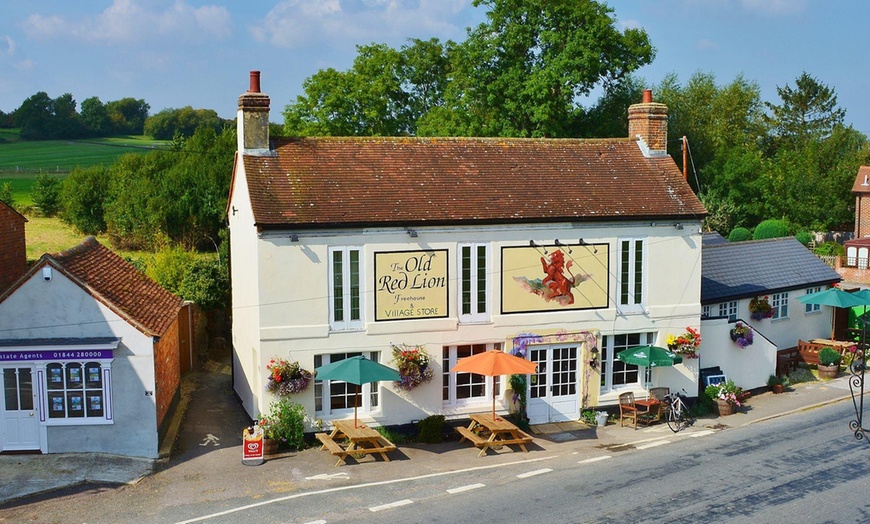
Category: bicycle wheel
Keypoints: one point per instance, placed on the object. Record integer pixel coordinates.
(675, 420)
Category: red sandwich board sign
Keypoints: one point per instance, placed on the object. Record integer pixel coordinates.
(252, 446)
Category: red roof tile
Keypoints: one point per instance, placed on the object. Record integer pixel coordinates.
(344, 181)
(119, 285)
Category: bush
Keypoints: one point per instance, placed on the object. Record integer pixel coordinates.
(285, 423)
(82, 196)
(828, 356)
(828, 249)
(6, 194)
(431, 429)
(739, 234)
(770, 229)
(46, 194)
(804, 238)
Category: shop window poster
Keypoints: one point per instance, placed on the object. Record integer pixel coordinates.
(94, 374)
(55, 375)
(76, 403)
(96, 402)
(57, 404)
(75, 375)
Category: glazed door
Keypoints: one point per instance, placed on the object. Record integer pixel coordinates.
(20, 425)
(553, 389)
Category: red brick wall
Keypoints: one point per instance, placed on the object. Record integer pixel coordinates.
(167, 370)
(13, 252)
(650, 121)
(862, 215)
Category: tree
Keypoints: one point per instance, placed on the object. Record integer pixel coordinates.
(46, 194)
(35, 116)
(127, 115)
(6, 194)
(808, 112)
(607, 117)
(83, 195)
(168, 123)
(95, 116)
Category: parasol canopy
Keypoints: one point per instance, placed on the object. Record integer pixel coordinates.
(356, 370)
(492, 363)
(649, 356)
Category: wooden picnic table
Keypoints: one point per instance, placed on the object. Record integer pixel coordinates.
(359, 439)
(652, 413)
(486, 432)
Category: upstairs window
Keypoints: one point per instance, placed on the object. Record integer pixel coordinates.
(779, 303)
(728, 309)
(812, 308)
(345, 291)
(474, 288)
(631, 275)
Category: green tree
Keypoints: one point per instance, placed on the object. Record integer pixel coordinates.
(808, 112)
(127, 116)
(82, 195)
(168, 123)
(607, 117)
(6, 194)
(35, 117)
(770, 229)
(46, 194)
(95, 116)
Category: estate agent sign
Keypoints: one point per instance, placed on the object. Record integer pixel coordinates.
(410, 284)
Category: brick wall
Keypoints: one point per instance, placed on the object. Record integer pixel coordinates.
(13, 252)
(862, 215)
(650, 121)
(167, 371)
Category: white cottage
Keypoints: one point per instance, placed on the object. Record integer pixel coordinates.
(563, 251)
(89, 356)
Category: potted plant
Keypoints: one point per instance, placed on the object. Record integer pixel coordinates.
(829, 362)
(777, 383)
(413, 365)
(759, 308)
(283, 426)
(726, 396)
(687, 344)
(287, 378)
(741, 334)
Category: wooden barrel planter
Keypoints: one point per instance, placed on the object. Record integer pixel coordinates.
(724, 408)
(270, 447)
(829, 372)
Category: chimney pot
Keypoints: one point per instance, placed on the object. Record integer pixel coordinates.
(647, 96)
(255, 82)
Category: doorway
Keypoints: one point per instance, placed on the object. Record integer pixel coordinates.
(20, 425)
(553, 395)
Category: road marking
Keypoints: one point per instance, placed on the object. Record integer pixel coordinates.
(210, 439)
(316, 522)
(469, 487)
(533, 473)
(361, 486)
(654, 444)
(391, 505)
(595, 459)
(702, 433)
(326, 476)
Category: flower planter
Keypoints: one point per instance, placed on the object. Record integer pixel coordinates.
(270, 446)
(828, 372)
(776, 388)
(724, 408)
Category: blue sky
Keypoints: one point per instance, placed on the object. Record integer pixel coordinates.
(175, 53)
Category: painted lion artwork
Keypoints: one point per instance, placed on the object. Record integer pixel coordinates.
(558, 283)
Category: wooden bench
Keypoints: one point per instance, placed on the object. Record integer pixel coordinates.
(333, 447)
(476, 439)
(521, 439)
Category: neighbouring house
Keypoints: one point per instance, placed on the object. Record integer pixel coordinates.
(563, 251)
(13, 250)
(855, 267)
(89, 355)
(736, 280)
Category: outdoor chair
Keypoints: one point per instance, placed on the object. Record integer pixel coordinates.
(627, 410)
(659, 394)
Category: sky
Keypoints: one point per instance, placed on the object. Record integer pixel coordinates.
(176, 53)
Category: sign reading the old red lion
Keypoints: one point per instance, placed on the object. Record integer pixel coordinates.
(410, 284)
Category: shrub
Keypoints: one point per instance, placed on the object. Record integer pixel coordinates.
(828, 356)
(431, 429)
(770, 229)
(804, 238)
(82, 196)
(46, 194)
(285, 423)
(827, 249)
(739, 234)
(6, 194)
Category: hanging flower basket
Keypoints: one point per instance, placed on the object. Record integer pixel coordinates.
(688, 344)
(287, 378)
(759, 308)
(413, 365)
(742, 334)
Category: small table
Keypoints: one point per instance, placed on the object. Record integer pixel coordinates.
(500, 433)
(652, 413)
(363, 440)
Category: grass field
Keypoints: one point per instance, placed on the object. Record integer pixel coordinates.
(21, 161)
(51, 235)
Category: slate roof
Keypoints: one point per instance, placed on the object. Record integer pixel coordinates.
(712, 238)
(114, 282)
(402, 181)
(737, 270)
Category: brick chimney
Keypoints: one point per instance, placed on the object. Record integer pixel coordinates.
(253, 119)
(648, 122)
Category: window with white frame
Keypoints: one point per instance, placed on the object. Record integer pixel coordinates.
(728, 309)
(335, 397)
(78, 392)
(616, 374)
(779, 303)
(345, 288)
(632, 258)
(465, 389)
(812, 308)
(473, 288)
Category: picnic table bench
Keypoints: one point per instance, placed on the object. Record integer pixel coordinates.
(485, 433)
(361, 439)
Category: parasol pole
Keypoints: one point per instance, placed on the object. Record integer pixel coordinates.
(355, 404)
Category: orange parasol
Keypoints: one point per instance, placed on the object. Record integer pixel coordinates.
(492, 363)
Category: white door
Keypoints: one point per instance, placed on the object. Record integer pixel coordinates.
(19, 425)
(553, 390)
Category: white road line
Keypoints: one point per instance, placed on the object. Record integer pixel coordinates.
(533, 473)
(391, 505)
(702, 433)
(654, 444)
(316, 522)
(469, 487)
(595, 459)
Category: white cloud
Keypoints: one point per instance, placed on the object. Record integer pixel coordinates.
(128, 21)
(7, 45)
(315, 23)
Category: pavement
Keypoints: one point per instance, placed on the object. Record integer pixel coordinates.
(203, 448)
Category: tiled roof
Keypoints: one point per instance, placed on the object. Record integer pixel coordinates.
(736, 270)
(120, 286)
(712, 238)
(358, 181)
(862, 180)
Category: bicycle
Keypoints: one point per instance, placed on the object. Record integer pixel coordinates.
(678, 416)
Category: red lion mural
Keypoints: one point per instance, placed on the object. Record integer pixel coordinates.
(559, 284)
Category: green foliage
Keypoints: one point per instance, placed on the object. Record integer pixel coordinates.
(829, 249)
(191, 276)
(829, 356)
(739, 234)
(808, 112)
(588, 417)
(393, 436)
(770, 229)
(804, 238)
(431, 429)
(169, 123)
(46, 194)
(518, 384)
(776, 380)
(6, 194)
(285, 422)
(83, 195)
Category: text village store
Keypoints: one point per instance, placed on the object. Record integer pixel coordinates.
(53, 384)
